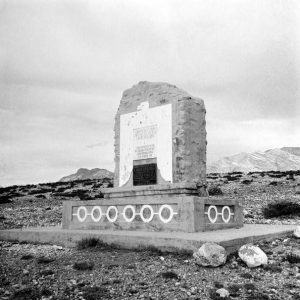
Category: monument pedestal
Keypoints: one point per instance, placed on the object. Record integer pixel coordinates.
(175, 207)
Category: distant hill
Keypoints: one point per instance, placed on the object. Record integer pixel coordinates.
(83, 173)
(284, 159)
(292, 150)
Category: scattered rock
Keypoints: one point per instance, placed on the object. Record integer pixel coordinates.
(252, 255)
(210, 254)
(297, 232)
(223, 293)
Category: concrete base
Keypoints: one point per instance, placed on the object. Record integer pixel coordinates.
(231, 239)
(170, 208)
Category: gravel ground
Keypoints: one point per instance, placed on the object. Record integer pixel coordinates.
(48, 272)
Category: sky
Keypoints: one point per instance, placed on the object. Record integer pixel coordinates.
(64, 65)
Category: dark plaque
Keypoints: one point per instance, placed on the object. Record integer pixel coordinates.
(144, 174)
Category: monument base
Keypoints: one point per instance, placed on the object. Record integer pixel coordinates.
(175, 207)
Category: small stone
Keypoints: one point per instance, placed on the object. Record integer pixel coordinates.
(223, 293)
(161, 258)
(297, 232)
(252, 255)
(25, 272)
(57, 247)
(16, 286)
(34, 282)
(73, 281)
(6, 293)
(210, 254)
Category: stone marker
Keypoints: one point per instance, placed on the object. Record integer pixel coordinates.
(253, 256)
(210, 255)
(296, 232)
(160, 169)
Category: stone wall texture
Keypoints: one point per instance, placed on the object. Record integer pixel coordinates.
(188, 128)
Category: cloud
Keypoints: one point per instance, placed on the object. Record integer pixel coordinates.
(64, 65)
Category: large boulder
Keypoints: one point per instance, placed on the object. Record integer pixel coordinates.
(297, 232)
(210, 255)
(253, 256)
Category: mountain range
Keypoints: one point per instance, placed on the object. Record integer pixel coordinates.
(83, 173)
(283, 159)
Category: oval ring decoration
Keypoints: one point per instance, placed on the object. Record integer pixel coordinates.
(170, 210)
(212, 220)
(226, 220)
(100, 213)
(81, 208)
(131, 207)
(116, 214)
(146, 220)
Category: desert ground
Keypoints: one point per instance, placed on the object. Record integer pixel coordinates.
(94, 270)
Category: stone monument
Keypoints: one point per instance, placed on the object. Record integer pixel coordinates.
(160, 169)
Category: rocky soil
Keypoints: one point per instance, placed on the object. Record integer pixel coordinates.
(51, 272)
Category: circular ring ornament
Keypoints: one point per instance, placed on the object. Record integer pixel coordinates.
(146, 220)
(170, 210)
(81, 208)
(133, 213)
(226, 220)
(116, 214)
(100, 213)
(212, 220)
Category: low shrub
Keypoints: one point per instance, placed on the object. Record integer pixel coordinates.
(169, 275)
(88, 243)
(26, 293)
(95, 293)
(215, 191)
(249, 286)
(234, 288)
(4, 199)
(232, 178)
(273, 183)
(45, 260)
(27, 256)
(277, 175)
(272, 268)
(282, 208)
(39, 191)
(83, 265)
(218, 285)
(292, 258)
(40, 196)
(46, 272)
(246, 275)
(247, 181)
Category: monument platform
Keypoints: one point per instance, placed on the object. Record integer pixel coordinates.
(231, 239)
(175, 207)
